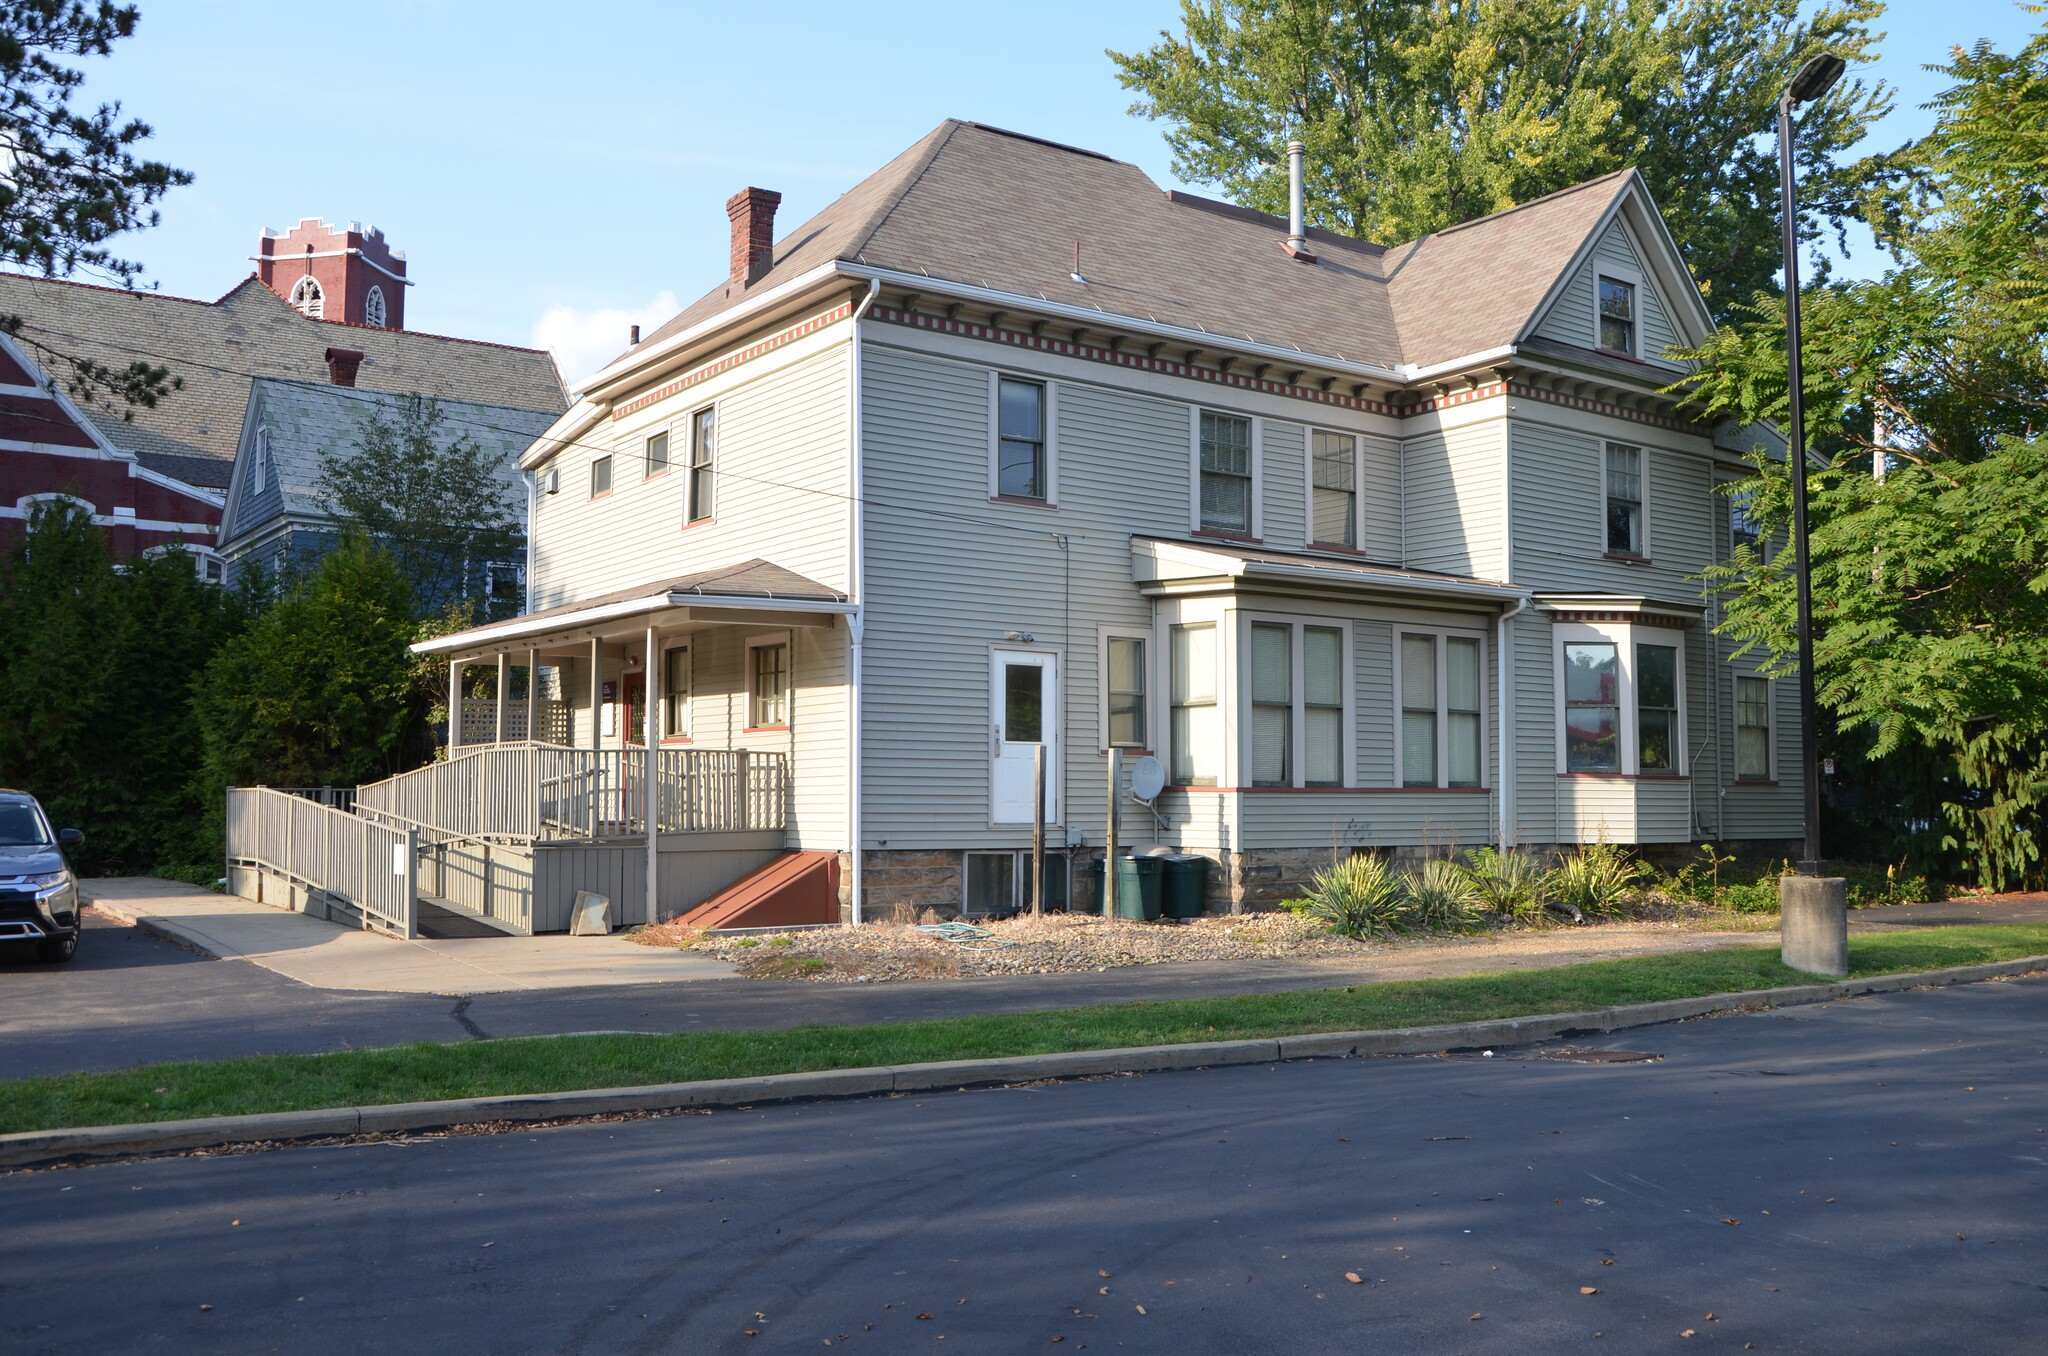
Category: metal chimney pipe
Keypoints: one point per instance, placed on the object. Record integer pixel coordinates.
(1297, 231)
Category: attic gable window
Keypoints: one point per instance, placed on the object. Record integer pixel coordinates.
(308, 298)
(1617, 307)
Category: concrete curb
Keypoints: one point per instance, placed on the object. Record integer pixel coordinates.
(118, 1141)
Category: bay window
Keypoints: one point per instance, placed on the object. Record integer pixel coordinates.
(1656, 707)
(1272, 684)
(1197, 725)
(1295, 680)
(1621, 700)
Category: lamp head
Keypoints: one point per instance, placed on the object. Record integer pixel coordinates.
(1816, 78)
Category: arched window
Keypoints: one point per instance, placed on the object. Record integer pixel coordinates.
(373, 308)
(307, 296)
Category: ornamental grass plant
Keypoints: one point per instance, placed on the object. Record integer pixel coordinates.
(1355, 896)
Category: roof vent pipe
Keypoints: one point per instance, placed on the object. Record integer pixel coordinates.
(1297, 227)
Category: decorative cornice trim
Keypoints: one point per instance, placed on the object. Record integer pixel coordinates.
(1571, 402)
(734, 359)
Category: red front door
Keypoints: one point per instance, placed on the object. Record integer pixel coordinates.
(636, 708)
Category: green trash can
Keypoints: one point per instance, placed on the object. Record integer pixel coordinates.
(1186, 878)
(1137, 887)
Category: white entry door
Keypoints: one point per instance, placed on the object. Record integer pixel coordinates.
(1025, 702)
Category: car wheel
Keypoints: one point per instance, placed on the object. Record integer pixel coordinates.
(57, 950)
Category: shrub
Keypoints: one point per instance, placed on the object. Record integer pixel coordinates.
(1507, 883)
(1355, 897)
(1598, 879)
(1439, 898)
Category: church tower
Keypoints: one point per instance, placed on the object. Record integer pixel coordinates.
(334, 273)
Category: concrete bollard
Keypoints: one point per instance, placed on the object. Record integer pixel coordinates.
(1814, 934)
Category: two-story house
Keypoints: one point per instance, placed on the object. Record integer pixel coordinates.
(1375, 547)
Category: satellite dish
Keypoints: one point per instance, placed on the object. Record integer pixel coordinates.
(1148, 778)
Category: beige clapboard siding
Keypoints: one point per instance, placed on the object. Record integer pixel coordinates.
(1284, 454)
(948, 573)
(782, 448)
(1570, 319)
(1455, 499)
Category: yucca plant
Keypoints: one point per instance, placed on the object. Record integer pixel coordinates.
(1439, 898)
(1354, 897)
(1506, 883)
(1598, 879)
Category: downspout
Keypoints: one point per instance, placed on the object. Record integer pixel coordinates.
(1503, 663)
(532, 479)
(856, 623)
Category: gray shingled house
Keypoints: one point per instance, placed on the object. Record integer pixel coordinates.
(1375, 547)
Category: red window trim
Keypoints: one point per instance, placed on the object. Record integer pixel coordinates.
(1631, 776)
(1245, 537)
(1344, 790)
(689, 523)
(763, 729)
(1021, 502)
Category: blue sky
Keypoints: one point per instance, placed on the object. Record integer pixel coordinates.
(557, 172)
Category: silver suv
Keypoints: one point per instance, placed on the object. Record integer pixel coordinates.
(38, 892)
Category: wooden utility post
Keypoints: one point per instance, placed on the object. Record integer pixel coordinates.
(1116, 786)
(1038, 830)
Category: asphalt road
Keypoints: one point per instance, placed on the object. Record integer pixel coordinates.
(1866, 1177)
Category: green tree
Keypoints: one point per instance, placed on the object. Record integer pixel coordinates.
(95, 671)
(429, 495)
(1419, 114)
(1926, 391)
(73, 179)
(320, 690)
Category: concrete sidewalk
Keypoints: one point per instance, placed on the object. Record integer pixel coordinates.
(328, 956)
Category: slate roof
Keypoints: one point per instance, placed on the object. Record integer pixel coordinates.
(302, 420)
(978, 205)
(219, 347)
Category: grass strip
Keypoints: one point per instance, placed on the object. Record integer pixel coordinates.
(429, 1072)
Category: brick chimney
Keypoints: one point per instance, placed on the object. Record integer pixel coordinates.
(342, 364)
(753, 232)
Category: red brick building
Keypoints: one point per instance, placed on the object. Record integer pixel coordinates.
(336, 273)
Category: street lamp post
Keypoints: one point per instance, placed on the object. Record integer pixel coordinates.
(1815, 78)
(1814, 923)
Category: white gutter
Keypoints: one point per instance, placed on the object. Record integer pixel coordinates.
(856, 624)
(1503, 662)
(519, 628)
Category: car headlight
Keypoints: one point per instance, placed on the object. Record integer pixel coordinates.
(48, 884)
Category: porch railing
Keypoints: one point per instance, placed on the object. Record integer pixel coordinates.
(480, 722)
(374, 867)
(541, 792)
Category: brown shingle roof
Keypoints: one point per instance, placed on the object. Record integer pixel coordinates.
(217, 347)
(990, 208)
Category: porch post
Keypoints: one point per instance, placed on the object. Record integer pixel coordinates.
(532, 692)
(596, 690)
(454, 706)
(647, 699)
(504, 678)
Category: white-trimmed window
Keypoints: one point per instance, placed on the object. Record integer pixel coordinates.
(308, 298)
(600, 477)
(1022, 452)
(1226, 474)
(1296, 684)
(654, 459)
(1743, 527)
(1197, 720)
(768, 682)
(259, 462)
(703, 462)
(1621, 700)
(1333, 488)
(1614, 313)
(1624, 486)
(1443, 715)
(1126, 689)
(675, 692)
(373, 307)
(1752, 728)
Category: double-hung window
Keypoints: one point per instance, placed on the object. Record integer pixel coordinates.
(1743, 528)
(1617, 303)
(1656, 708)
(1625, 500)
(1322, 697)
(703, 457)
(1197, 725)
(768, 696)
(1592, 707)
(1020, 440)
(1334, 496)
(1295, 675)
(1226, 473)
(1124, 692)
(1442, 735)
(675, 692)
(1752, 728)
(657, 456)
(600, 477)
(1272, 684)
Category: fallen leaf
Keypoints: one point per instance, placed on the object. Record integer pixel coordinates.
(1687, 1333)
(752, 1333)
(1731, 1221)
(1102, 1290)
(1589, 1290)
(1103, 1274)
(1141, 1308)
(1831, 1200)
(1607, 1261)
(1961, 1238)
(234, 1223)
(1477, 1317)
(205, 1308)
(924, 1315)
(1342, 1140)
(1763, 1212)
(1712, 1319)
(1354, 1278)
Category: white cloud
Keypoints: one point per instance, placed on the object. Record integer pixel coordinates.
(584, 341)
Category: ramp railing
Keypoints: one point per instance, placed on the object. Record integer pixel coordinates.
(374, 867)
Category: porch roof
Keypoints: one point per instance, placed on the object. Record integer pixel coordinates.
(751, 590)
(1166, 565)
